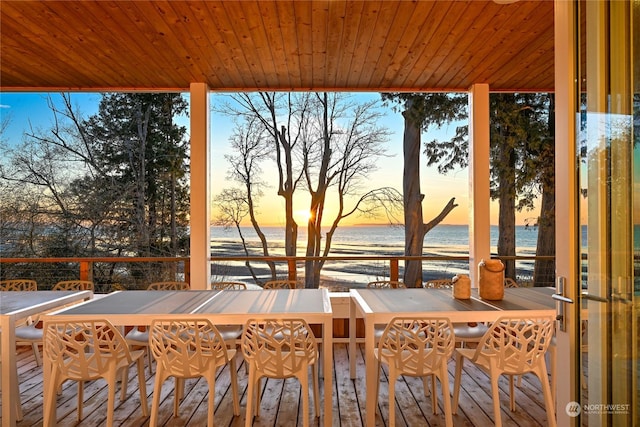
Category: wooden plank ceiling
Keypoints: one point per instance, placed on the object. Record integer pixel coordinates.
(276, 45)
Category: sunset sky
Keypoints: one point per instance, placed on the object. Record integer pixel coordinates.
(23, 109)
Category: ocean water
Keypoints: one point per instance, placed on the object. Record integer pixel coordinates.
(379, 240)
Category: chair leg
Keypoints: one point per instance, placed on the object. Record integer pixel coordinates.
(258, 395)
(49, 419)
(250, 395)
(142, 387)
(124, 383)
(446, 397)
(36, 353)
(177, 395)
(234, 386)
(304, 385)
(425, 385)
(512, 394)
(150, 361)
(211, 400)
(392, 397)
(80, 399)
(316, 389)
(111, 404)
(377, 384)
(552, 370)
(541, 372)
(155, 401)
(434, 397)
(456, 382)
(495, 394)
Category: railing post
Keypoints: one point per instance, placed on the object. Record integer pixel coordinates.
(393, 269)
(291, 264)
(187, 271)
(86, 268)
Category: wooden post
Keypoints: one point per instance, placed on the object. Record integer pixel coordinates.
(86, 269)
(393, 269)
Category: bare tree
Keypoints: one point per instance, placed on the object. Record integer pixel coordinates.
(234, 207)
(340, 148)
(281, 115)
(330, 144)
(250, 151)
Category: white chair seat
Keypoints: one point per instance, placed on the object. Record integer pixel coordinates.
(467, 332)
(28, 333)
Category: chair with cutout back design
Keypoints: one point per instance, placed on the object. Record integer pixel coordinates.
(189, 349)
(85, 351)
(280, 349)
(512, 346)
(418, 347)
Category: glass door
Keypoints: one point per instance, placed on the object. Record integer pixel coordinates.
(609, 212)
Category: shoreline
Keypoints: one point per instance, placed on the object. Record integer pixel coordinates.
(354, 275)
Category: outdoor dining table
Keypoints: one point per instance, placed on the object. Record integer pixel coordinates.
(227, 307)
(379, 306)
(14, 307)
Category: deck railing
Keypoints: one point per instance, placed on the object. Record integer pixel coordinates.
(112, 273)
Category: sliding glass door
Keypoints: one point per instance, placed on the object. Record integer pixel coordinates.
(608, 159)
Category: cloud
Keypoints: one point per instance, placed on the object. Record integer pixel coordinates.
(5, 106)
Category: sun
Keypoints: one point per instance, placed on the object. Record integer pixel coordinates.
(301, 216)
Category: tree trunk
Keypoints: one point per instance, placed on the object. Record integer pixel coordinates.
(507, 213)
(413, 220)
(544, 270)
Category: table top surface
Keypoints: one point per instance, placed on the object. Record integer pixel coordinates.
(419, 301)
(144, 302)
(523, 299)
(226, 302)
(15, 301)
(274, 301)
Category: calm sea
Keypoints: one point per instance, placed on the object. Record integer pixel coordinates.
(446, 240)
(382, 239)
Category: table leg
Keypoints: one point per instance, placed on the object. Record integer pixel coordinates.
(9, 371)
(327, 338)
(372, 375)
(352, 338)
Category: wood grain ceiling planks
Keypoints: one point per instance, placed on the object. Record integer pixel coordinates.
(276, 45)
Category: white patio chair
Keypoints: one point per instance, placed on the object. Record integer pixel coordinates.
(280, 349)
(418, 347)
(73, 285)
(280, 284)
(233, 286)
(168, 286)
(84, 351)
(386, 284)
(139, 336)
(510, 283)
(31, 334)
(18, 285)
(465, 332)
(511, 346)
(189, 349)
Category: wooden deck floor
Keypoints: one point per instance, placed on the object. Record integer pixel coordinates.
(280, 401)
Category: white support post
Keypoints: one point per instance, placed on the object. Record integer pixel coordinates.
(479, 179)
(200, 188)
(567, 250)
